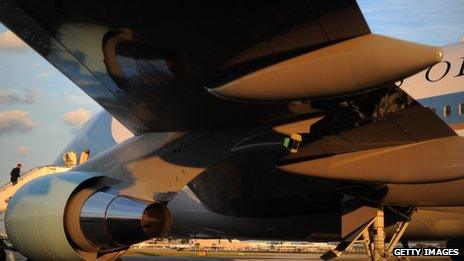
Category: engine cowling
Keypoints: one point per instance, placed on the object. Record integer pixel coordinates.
(77, 215)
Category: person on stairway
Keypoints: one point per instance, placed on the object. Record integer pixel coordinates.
(14, 174)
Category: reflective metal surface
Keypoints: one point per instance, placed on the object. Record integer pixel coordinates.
(110, 222)
(93, 220)
(124, 221)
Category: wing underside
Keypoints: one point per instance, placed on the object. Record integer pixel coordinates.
(148, 62)
(151, 64)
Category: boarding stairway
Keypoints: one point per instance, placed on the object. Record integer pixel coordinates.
(8, 190)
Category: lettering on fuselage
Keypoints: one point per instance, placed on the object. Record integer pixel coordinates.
(461, 71)
(439, 71)
(443, 72)
(440, 87)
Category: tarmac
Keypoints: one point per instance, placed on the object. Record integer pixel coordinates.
(268, 258)
(273, 257)
(254, 258)
(251, 257)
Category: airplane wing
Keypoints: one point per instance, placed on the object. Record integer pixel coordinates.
(176, 66)
(148, 63)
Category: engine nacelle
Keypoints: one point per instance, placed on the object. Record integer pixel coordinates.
(76, 215)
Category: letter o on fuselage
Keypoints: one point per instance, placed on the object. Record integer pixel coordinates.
(438, 68)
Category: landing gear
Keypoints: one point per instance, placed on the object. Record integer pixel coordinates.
(377, 249)
(401, 227)
(373, 236)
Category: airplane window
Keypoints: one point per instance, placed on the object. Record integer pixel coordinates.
(447, 111)
(461, 109)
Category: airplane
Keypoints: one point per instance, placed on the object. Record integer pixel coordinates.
(239, 120)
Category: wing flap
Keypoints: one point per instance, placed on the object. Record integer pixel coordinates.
(378, 136)
(422, 162)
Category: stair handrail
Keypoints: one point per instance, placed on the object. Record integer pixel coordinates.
(9, 184)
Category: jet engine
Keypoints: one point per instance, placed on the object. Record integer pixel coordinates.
(77, 215)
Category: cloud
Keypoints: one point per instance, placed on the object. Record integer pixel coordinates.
(23, 150)
(16, 121)
(79, 99)
(10, 42)
(77, 117)
(7, 97)
(48, 72)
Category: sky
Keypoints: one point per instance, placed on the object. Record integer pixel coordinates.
(40, 109)
(424, 21)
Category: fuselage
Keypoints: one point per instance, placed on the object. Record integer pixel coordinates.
(441, 87)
